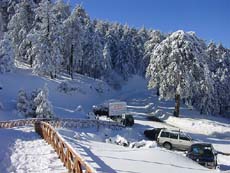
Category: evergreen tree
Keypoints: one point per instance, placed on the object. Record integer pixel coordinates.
(19, 26)
(178, 68)
(155, 38)
(47, 40)
(6, 55)
(219, 64)
(73, 47)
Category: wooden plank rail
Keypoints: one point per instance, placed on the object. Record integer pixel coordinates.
(64, 122)
(71, 159)
(21, 122)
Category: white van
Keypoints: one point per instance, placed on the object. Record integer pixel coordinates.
(174, 139)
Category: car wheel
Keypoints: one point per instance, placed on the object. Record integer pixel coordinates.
(167, 145)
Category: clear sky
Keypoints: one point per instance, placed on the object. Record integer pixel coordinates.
(210, 19)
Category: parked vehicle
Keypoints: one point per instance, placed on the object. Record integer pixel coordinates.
(204, 154)
(117, 111)
(174, 139)
(152, 134)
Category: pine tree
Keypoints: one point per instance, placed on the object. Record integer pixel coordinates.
(73, 47)
(218, 61)
(48, 41)
(6, 55)
(92, 53)
(156, 37)
(178, 68)
(19, 26)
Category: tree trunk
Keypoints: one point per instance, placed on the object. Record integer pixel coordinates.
(158, 91)
(177, 105)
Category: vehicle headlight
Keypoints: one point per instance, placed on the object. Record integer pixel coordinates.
(197, 160)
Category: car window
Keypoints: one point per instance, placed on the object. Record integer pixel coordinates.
(183, 137)
(208, 152)
(165, 134)
(174, 135)
(197, 150)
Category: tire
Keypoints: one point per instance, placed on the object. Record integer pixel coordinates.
(167, 145)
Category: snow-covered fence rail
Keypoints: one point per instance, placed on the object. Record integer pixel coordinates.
(71, 159)
(84, 123)
(20, 122)
(65, 123)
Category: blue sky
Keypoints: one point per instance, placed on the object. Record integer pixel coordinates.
(210, 19)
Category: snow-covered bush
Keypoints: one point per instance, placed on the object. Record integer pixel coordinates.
(23, 103)
(143, 143)
(119, 140)
(68, 88)
(44, 108)
(35, 105)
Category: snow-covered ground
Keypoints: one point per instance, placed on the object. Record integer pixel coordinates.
(22, 150)
(105, 157)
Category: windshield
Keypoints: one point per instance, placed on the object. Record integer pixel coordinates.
(202, 150)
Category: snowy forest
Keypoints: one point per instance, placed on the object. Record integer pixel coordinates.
(53, 38)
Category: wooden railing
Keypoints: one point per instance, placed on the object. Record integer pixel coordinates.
(71, 159)
(63, 122)
(21, 122)
(84, 123)
(45, 128)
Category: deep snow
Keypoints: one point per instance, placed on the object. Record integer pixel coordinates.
(22, 150)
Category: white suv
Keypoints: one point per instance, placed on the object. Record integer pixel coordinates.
(174, 139)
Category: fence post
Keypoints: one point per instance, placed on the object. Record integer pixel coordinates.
(38, 129)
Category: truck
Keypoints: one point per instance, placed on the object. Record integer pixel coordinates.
(116, 111)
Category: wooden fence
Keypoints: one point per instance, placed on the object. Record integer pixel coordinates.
(63, 123)
(20, 122)
(45, 128)
(71, 159)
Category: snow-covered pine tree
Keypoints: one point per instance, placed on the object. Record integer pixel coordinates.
(102, 28)
(107, 59)
(219, 65)
(73, 46)
(43, 106)
(47, 43)
(82, 17)
(19, 26)
(155, 38)
(92, 53)
(178, 68)
(140, 39)
(6, 55)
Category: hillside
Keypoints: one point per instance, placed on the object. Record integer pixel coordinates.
(91, 143)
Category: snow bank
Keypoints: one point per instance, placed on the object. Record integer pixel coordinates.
(118, 140)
